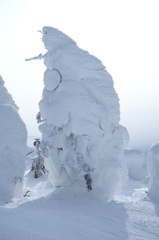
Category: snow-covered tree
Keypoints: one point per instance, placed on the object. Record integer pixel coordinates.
(13, 137)
(80, 114)
(38, 167)
(153, 167)
(136, 163)
(5, 96)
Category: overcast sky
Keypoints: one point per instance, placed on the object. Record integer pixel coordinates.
(123, 34)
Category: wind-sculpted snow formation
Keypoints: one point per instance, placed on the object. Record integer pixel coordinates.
(13, 136)
(80, 118)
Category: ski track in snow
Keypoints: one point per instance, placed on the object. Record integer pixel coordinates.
(74, 213)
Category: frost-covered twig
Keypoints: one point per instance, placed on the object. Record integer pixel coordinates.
(40, 56)
(29, 153)
(26, 194)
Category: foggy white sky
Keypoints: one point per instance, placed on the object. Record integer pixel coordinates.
(122, 34)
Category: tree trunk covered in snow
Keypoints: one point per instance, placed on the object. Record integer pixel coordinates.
(80, 118)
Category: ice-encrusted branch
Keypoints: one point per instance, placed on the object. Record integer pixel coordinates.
(40, 56)
(60, 77)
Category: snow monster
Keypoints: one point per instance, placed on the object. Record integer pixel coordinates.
(13, 145)
(79, 116)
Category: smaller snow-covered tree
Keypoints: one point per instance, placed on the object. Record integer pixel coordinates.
(153, 168)
(38, 167)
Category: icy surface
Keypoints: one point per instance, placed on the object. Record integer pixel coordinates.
(153, 167)
(13, 136)
(136, 163)
(81, 112)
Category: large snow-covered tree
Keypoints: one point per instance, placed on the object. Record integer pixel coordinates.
(80, 117)
(13, 137)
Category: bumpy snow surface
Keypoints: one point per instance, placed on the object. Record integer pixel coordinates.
(80, 110)
(13, 137)
(73, 213)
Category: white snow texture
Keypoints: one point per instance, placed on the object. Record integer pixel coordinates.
(13, 137)
(136, 163)
(81, 112)
(153, 167)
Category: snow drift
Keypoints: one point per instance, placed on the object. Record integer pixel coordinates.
(13, 137)
(80, 118)
(136, 163)
(153, 167)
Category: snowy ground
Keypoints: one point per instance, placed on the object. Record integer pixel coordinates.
(73, 213)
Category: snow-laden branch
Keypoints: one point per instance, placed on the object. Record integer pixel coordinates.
(40, 56)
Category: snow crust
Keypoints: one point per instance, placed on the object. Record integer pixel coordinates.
(13, 137)
(153, 167)
(80, 113)
(136, 163)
